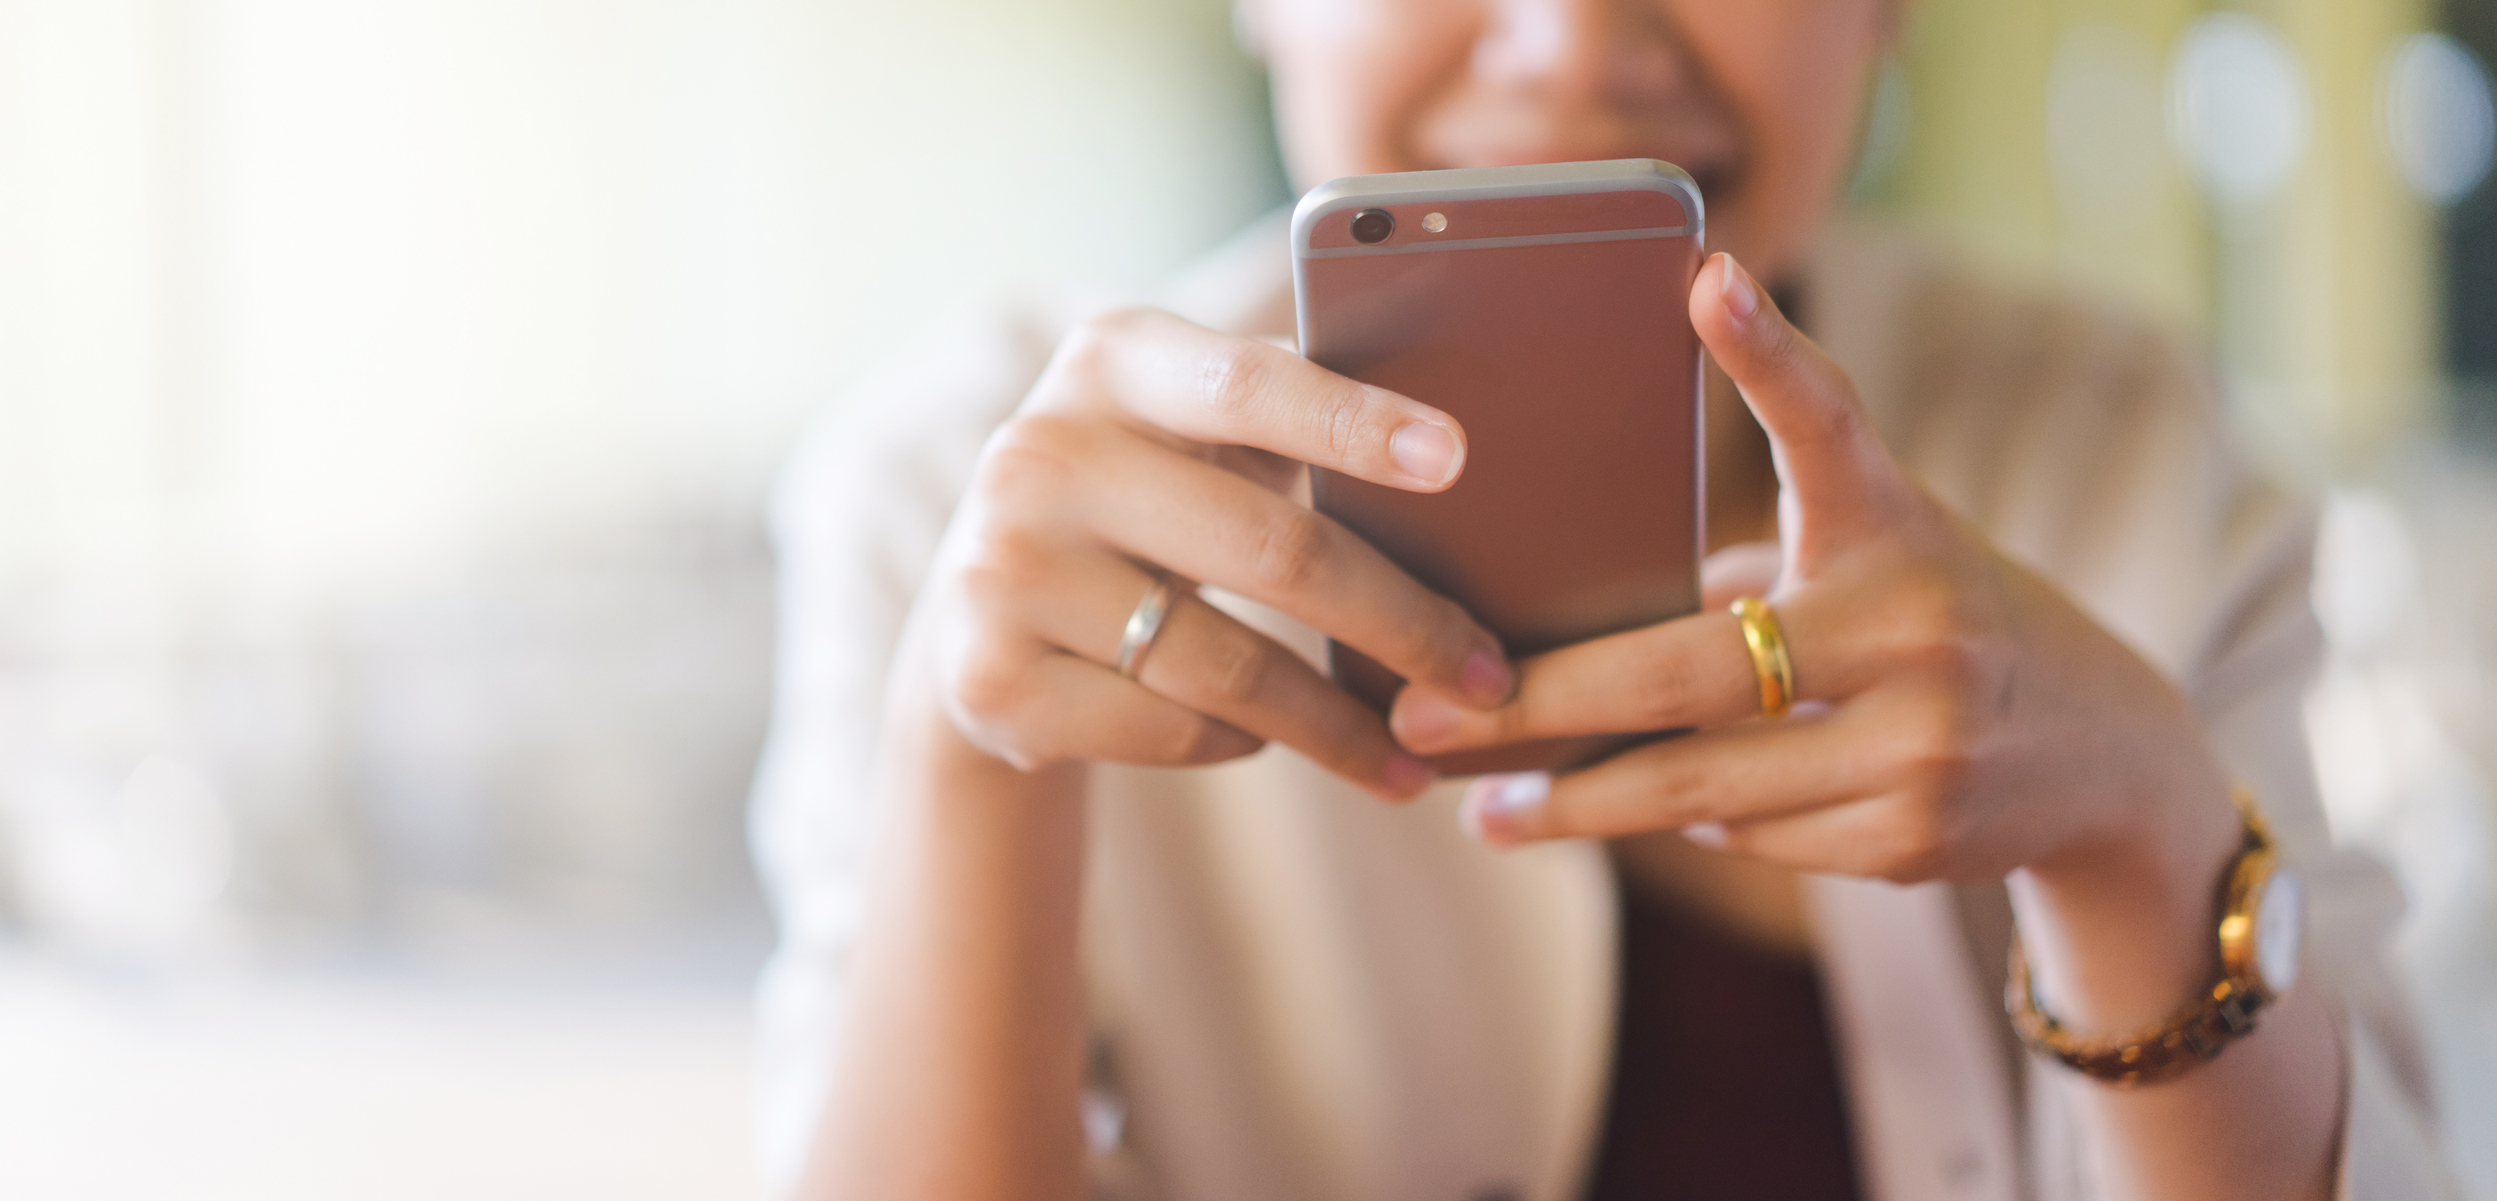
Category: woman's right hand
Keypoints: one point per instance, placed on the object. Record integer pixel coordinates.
(1153, 446)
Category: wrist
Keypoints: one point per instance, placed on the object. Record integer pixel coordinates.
(974, 852)
(2121, 930)
(931, 765)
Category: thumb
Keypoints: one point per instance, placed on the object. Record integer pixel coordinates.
(1832, 469)
(1743, 569)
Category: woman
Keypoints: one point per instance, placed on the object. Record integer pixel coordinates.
(2043, 626)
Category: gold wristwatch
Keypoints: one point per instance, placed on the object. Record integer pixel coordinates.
(2262, 918)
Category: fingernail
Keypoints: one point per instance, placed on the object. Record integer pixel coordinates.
(1502, 809)
(1741, 296)
(1708, 834)
(1424, 451)
(1486, 677)
(1405, 775)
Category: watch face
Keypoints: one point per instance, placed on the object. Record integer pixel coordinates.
(2279, 918)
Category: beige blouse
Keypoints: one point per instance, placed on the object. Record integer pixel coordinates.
(1299, 992)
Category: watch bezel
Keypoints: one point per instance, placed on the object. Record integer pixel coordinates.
(2239, 914)
(2243, 913)
(2281, 899)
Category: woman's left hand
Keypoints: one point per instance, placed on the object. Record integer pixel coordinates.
(1961, 720)
(1957, 717)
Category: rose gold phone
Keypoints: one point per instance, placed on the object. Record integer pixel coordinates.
(1546, 309)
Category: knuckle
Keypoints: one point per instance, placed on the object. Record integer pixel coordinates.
(986, 686)
(1289, 554)
(1124, 322)
(1087, 347)
(1235, 382)
(1076, 364)
(1238, 671)
(1936, 755)
(1783, 352)
(1933, 632)
(1842, 417)
(1032, 456)
(1344, 420)
(1678, 795)
(1434, 644)
(1928, 608)
(1914, 844)
(1957, 658)
(1663, 693)
(1007, 564)
(1835, 417)
(986, 585)
(1412, 649)
(1205, 740)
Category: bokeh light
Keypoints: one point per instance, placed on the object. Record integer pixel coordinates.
(2238, 107)
(2438, 122)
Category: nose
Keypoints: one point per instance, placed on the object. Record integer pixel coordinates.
(1599, 51)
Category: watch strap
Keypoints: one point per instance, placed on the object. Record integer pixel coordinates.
(2195, 1034)
(2189, 1038)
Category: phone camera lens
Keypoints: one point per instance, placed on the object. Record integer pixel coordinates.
(1371, 226)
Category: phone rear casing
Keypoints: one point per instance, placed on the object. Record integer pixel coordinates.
(1549, 317)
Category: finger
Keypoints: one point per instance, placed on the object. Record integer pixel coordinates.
(1738, 774)
(1046, 706)
(1872, 838)
(1743, 569)
(1828, 455)
(1208, 661)
(1211, 387)
(1212, 663)
(1689, 672)
(1213, 526)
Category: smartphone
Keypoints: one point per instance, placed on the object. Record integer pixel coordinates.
(1546, 308)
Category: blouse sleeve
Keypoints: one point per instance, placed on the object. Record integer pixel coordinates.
(2252, 696)
(2095, 448)
(2232, 557)
(855, 525)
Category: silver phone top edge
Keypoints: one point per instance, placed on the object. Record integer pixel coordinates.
(1492, 183)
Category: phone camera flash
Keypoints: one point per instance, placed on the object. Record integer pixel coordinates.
(1435, 222)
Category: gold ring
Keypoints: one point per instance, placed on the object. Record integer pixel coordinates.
(1768, 655)
(1143, 625)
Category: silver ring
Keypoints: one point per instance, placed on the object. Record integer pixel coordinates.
(1142, 626)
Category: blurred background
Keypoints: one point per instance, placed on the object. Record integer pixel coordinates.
(390, 391)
